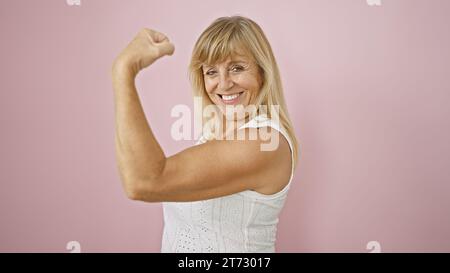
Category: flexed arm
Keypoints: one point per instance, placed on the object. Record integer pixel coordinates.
(212, 169)
(137, 150)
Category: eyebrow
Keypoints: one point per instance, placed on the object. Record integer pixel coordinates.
(205, 66)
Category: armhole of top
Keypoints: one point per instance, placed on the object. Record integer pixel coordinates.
(201, 140)
(270, 123)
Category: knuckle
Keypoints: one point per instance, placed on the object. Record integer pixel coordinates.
(145, 31)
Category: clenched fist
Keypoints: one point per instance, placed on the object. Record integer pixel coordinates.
(148, 46)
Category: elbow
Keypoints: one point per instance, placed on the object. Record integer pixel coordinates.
(146, 189)
(130, 187)
(141, 191)
(133, 193)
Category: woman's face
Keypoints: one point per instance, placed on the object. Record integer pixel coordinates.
(236, 81)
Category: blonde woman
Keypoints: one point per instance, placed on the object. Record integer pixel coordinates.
(224, 194)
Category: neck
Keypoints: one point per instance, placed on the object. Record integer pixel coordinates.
(229, 127)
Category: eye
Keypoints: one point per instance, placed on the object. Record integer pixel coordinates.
(211, 72)
(237, 68)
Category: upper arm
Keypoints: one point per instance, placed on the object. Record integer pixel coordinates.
(219, 168)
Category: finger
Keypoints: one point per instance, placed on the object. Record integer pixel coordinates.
(159, 37)
(166, 48)
(156, 36)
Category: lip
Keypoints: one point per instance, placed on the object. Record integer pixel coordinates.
(233, 101)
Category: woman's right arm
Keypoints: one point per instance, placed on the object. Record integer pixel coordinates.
(209, 170)
(137, 150)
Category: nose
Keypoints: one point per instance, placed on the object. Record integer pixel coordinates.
(225, 81)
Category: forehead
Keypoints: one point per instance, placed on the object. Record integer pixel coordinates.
(233, 58)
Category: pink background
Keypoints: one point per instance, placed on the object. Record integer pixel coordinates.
(367, 87)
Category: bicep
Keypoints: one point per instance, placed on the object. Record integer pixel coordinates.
(213, 169)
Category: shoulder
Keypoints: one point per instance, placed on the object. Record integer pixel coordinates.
(262, 145)
(265, 160)
(274, 157)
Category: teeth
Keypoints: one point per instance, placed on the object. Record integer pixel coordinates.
(232, 97)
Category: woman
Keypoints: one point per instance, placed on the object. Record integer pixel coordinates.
(221, 195)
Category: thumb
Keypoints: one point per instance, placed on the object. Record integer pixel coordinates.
(166, 47)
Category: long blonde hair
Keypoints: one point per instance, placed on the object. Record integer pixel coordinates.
(223, 38)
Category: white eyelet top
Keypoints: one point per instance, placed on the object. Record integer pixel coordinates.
(242, 222)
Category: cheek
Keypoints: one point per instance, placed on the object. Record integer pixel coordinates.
(249, 83)
(209, 85)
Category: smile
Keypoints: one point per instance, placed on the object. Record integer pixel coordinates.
(230, 99)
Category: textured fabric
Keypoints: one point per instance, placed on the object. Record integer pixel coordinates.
(242, 222)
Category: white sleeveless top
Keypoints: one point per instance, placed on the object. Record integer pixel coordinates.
(242, 222)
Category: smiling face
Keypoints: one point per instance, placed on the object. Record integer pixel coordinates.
(235, 81)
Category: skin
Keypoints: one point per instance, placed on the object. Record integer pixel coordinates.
(238, 73)
(205, 171)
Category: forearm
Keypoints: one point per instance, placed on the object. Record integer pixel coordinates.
(139, 156)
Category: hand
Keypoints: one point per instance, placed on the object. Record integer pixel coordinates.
(148, 46)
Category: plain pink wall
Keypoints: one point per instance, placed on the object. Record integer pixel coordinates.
(367, 87)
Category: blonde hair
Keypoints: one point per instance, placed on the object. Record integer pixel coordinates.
(225, 37)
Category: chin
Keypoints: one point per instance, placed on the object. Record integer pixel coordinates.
(238, 113)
